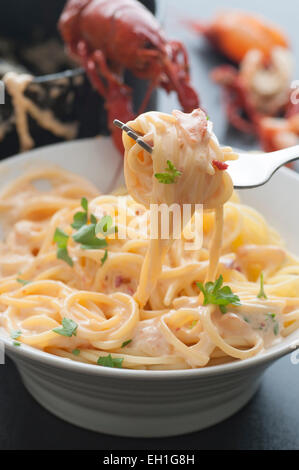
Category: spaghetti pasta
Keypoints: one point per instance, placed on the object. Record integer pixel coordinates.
(73, 286)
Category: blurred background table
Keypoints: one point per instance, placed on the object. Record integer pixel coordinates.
(271, 419)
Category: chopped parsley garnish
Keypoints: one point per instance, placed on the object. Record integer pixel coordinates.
(81, 218)
(276, 328)
(84, 204)
(76, 352)
(86, 233)
(215, 294)
(16, 343)
(193, 324)
(86, 236)
(93, 219)
(23, 281)
(61, 240)
(270, 322)
(170, 176)
(272, 316)
(104, 257)
(105, 226)
(68, 328)
(109, 361)
(15, 334)
(125, 343)
(262, 294)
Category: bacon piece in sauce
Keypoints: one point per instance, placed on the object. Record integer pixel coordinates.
(220, 165)
(194, 125)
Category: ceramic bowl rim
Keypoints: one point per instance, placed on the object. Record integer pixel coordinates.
(47, 359)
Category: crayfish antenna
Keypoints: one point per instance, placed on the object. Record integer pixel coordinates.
(179, 78)
(119, 106)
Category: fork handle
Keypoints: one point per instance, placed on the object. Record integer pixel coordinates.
(281, 157)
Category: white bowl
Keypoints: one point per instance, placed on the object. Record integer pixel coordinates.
(146, 403)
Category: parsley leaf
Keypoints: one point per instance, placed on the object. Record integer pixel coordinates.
(193, 324)
(62, 254)
(262, 294)
(104, 257)
(272, 317)
(109, 361)
(170, 176)
(276, 328)
(61, 240)
(15, 334)
(81, 218)
(86, 236)
(16, 343)
(93, 219)
(23, 281)
(84, 204)
(76, 352)
(69, 328)
(125, 343)
(215, 294)
(104, 226)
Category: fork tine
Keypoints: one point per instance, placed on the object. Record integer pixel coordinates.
(131, 133)
(126, 128)
(144, 145)
(118, 123)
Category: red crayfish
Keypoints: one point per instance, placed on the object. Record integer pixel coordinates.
(234, 33)
(109, 36)
(257, 93)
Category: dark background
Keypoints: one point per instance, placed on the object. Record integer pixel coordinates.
(271, 419)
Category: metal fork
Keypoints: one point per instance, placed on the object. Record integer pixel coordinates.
(133, 134)
(251, 170)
